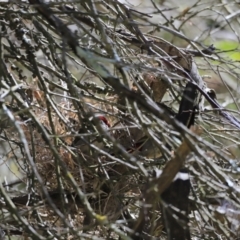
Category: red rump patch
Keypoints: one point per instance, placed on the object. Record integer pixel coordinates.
(102, 118)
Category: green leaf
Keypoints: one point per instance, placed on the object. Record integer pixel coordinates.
(231, 48)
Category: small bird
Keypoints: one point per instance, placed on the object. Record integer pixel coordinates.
(147, 147)
(90, 134)
(134, 139)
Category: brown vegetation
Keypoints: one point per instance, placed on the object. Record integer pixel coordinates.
(104, 127)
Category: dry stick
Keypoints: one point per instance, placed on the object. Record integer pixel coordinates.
(128, 37)
(168, 48)
(184, 60)
(96, 63)
(92, 60)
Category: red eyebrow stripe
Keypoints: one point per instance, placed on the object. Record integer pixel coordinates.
(104, 120)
